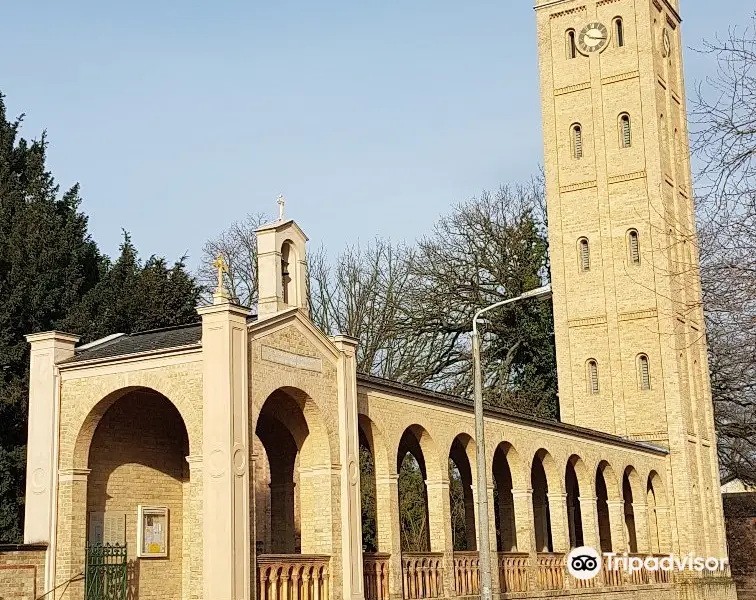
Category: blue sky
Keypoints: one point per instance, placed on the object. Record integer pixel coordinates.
(372, 118)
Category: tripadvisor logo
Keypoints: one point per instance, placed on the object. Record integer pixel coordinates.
(584, 562)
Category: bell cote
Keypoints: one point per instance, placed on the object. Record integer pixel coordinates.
(281, 267)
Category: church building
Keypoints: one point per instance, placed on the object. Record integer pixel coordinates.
(220, 460)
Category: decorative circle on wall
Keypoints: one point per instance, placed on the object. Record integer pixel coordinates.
(39, 480)
(215, 462)
(239, 459)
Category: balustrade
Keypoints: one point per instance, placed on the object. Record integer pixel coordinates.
(550, 568)
(466, 573)
(375, 574)
(422, 575)
(292, 577)
(513, 571)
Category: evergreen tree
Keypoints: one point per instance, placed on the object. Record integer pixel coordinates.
(47, 262)
(134, 296)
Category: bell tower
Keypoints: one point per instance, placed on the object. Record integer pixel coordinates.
(281, 267)
(630, 340)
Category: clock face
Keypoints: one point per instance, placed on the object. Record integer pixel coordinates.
(593, 37)
(666, 43)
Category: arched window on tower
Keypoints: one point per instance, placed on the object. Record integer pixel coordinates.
(592, 373)
(619, 32)
(625, 132)
(571, 44)
(644, 376)
(633, 247)
(577, 140)
(584, 254)
(286, 256)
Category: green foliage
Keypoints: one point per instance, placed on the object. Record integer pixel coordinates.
(48, 265)
(368, 501)
(135, 296)
(413, 507)
(47, 262)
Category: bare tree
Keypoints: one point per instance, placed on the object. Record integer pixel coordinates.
(238, 246)
(489, 249)
(724, 132)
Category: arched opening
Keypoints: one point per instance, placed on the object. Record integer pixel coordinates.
(657, 516)
(413, 494)
(571, 44)
(137, 457)
(368, 497)
(644, 375)
(574, 514)
(592, 376)
(576, 135)
(504, 516)
(633, 247)
(625, 131)
(629, 517)
(619, 32)
(541, 514)
(461, 503)
(584, 254)
(602, 507)
(287, 265)
(296, 461)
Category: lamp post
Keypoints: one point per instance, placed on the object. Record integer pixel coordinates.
(484, 550)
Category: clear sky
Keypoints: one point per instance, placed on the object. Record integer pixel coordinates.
(372, 118)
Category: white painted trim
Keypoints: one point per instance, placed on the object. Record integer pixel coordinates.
(130, 358)
(107, 338)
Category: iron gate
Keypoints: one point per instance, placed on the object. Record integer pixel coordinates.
(105, 572)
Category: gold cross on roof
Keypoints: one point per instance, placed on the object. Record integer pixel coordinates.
(222, 267)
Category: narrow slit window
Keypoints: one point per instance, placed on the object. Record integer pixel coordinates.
(577, 141)
(625, 131)
(634, 247)
(571, 44)
(585, 255)
(643, 372)
(619, 32)
(593, 381)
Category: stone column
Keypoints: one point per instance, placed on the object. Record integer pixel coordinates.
(47, 349)
(389, 529)
(617, 525)
(560, 535)
(72, 529)
(195, 526)
(589, 515)
(664, 525)
(525, 527)
(439, 527)
(225, 443)
(349, 451)
(640, 512)
(507, 523)
(491, 533)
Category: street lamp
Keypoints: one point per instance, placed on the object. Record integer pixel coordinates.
(484, 551)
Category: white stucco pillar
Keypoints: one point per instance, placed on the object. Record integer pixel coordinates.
(47, 349)
(349, 456)
(225, 449)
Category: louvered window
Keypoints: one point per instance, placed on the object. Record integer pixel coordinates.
(634, 247)
(593, 381)
(585, 256)
(577, 141)
(625, 133)
(645, 378)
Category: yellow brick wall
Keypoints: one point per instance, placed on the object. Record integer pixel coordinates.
(22, 572)
(137, 457)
